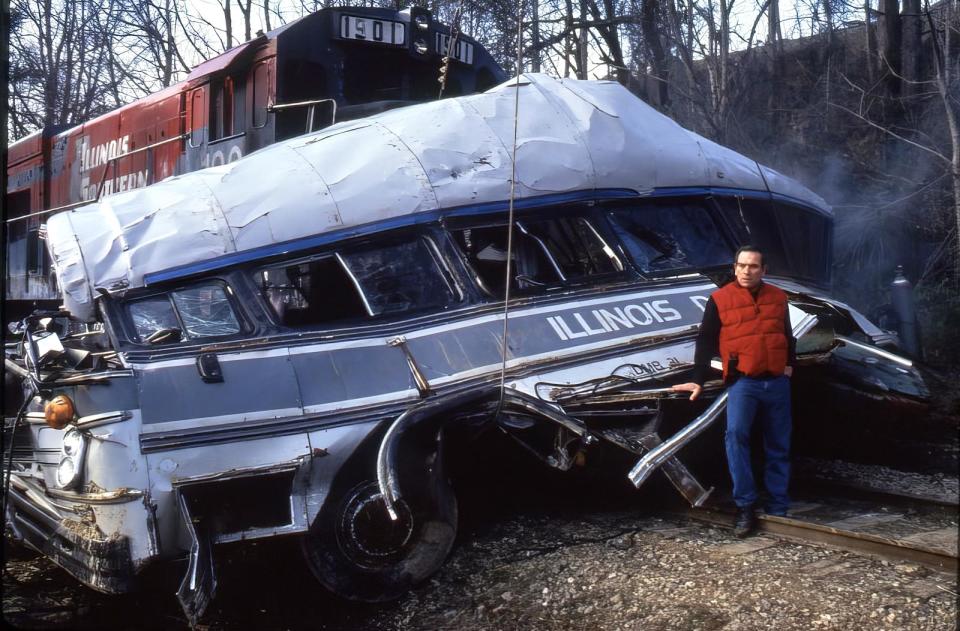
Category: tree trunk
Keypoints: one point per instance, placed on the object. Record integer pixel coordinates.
(228, 23)
(774, 34)
(651, 37)
(775, 67)
(891, 46)
(911, 47)
(582, 60)
(51, 85)
(245, 9)
(871, 42)
(535, 37)
(568, 41)
(723, 89)
(611, 36)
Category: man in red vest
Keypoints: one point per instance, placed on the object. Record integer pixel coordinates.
(747, 321)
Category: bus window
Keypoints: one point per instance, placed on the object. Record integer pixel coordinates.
(758, 226)
(808, 248)
(372, 281)
(196, 312)
(670, 236)
(547, 253)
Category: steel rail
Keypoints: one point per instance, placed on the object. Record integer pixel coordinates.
(855, 490)
(864, 543)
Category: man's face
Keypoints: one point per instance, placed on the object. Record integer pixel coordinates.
(749, 269)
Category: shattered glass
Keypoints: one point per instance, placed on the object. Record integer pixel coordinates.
(545, 253)
(375, 280)
(575, 247)
(400, 277)
(153, 315)
(206, 311)
(671, 236)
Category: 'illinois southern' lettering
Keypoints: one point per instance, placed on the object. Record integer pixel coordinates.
(600, 321)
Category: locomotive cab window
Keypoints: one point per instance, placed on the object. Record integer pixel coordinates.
(226, 107)
(546, 253)
(196, 312)
(197, 112)
(261, 92)
(371, 281)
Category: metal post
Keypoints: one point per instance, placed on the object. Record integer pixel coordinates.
(901, 296)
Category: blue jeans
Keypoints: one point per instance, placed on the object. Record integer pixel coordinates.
(769, 401)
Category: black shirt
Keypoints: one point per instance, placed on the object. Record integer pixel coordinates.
(708, 343)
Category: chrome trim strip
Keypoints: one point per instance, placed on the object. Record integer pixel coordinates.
(233, 474)
(104, 418)
(876, 351)
(117, 496)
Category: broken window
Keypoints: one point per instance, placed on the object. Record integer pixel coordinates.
(795, 240)
(671, 235)
(809, 242)
(754, 219)
(196, 312)
(356, 283)
(546, 253)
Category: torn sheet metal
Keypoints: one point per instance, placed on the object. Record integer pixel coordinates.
(572, 136)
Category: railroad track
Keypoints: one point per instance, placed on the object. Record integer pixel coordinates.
(925, 534)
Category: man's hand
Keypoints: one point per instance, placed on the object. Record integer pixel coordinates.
(693, 388)
(788, 371)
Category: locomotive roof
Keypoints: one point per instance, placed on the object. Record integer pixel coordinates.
(572, 136)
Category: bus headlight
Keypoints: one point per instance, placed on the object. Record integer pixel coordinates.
(71, 459)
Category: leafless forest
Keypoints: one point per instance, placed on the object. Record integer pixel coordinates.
(859, 100)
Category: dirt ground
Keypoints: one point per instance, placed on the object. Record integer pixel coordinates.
(530, 558)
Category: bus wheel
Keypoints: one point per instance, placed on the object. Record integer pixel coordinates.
(357, 552)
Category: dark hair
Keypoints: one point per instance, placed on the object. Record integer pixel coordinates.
(748, 248)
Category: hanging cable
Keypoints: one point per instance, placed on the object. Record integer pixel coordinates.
(513, 189)
(451, 48)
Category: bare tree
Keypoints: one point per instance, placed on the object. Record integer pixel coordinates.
(910, 48)
(246, 10)
(61, 62)
(871, 39)
(149, 43)
(890, 54)
(945, 33)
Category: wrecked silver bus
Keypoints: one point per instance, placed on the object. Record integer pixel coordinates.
(283, 344)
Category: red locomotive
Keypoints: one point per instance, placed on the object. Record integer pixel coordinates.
(332, 65)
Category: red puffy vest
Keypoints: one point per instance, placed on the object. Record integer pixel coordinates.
(752, 329)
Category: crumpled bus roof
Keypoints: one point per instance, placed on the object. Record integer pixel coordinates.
(572, 136)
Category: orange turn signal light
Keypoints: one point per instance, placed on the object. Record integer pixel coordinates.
(59, 411)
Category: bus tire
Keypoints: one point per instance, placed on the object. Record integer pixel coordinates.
(357, 552)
